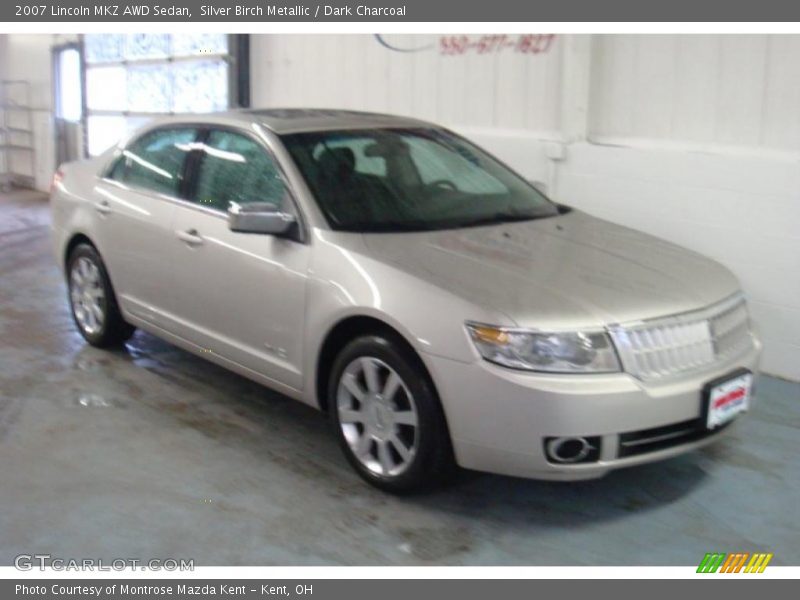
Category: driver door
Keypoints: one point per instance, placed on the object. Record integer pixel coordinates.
(240, 296)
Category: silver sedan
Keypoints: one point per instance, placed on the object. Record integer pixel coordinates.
(435, 304)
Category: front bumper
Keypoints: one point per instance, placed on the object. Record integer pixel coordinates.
(499, 418)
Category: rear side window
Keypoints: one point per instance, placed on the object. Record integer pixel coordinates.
(235, 168)
(155, 161)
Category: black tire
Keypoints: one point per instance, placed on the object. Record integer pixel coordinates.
(432, 463)
(112, 330)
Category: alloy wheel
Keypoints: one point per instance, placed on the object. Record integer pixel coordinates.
(87, 295)
(378, 416)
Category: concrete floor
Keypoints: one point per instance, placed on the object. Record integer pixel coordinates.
(150, 452)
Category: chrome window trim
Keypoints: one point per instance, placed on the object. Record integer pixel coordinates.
(165, 197)
(138, 135)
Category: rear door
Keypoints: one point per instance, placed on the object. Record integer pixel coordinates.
(135, 203)
(241, 296)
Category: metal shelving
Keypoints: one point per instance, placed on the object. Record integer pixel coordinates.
(16, 134)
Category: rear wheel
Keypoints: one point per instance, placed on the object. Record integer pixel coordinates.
(92, 300)
(387, 416)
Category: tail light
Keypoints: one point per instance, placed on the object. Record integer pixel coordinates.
(58, 176)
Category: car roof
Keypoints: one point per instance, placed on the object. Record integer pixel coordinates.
(296, 120)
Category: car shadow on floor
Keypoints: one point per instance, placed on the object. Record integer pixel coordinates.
(618, 494)
(234, 411)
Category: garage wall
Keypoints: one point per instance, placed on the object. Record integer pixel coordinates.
(502, 90)
(28, 57)
(695, 139)
(3, 54)
(726, 89)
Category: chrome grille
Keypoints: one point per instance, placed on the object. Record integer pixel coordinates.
(683, 343)
(730, 330)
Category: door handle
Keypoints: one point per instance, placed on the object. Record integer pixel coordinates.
(102, 207)
(190, 236)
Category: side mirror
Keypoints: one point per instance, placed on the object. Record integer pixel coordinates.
(260, 217)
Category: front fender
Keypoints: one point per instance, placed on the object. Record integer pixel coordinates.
(345, 283)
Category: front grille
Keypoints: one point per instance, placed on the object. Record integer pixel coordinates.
(634, 443)
(660, 348)
(730, 330)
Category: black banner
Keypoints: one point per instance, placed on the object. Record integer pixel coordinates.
(395, 589)
(397, 11)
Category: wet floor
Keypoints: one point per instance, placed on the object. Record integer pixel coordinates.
(149, 452)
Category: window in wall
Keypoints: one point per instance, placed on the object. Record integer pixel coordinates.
(131, 78)
(68, 94)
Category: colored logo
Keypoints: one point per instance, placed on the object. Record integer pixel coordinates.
(737, 562)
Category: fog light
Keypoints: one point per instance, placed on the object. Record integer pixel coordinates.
(572, 450)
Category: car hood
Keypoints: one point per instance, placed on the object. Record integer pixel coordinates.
(568, 271)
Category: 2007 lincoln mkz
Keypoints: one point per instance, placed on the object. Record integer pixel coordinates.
(438, 306)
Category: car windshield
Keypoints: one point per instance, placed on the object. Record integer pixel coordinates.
(410, 180)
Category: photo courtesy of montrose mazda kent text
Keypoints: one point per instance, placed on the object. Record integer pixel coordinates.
(433, 302)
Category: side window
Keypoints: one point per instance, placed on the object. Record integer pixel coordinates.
(235, 168)
(155, 160)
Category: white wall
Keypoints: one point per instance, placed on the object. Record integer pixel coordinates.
(511, 91)
(692, 138)
(728, 89)
(3, 55)
(28, 57)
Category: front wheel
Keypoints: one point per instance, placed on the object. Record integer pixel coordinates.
(387, 416)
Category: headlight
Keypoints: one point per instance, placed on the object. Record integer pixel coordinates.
(563, 352)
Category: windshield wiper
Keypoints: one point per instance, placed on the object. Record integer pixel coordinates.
(409, 226)
(500, 217)
(388, 227)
